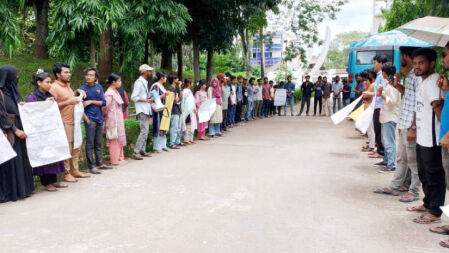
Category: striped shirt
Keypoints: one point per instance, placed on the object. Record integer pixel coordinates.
(408, 101)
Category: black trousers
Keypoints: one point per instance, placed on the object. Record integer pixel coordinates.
(238, 113)
(378, 131)
(305, 100)
(317, 101)
(272, 108)
(48, 179)
(224, 124)
(432, 176)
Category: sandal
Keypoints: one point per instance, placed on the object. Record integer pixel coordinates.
(408, 197)
(375, 156)
(403, 189)
(50, 188)
(425, 219)
(419, 209)
(385, 191)
(60, 185)
(444, 230)
(444, 244)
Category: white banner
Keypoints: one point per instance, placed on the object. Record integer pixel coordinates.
(206, 110)
(280, 97)
(7, 152)
(339, 116)
(363, 122)
(47, 141)
(78, 117)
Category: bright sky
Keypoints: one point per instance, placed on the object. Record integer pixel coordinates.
(356, 15)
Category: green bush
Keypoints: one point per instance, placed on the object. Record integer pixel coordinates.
(298, 95)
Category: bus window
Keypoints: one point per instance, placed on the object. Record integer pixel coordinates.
(365, 57)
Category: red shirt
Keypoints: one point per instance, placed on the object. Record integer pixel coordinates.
(266, 91)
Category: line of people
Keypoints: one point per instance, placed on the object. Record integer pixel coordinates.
(418, 152)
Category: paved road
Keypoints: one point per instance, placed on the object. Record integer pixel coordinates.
(278, 185)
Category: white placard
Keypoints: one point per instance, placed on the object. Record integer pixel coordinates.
(78, 117)
(363, 122)
(7, 152)
(206, 110)
(47, 140)
(341, 115)
(280, 97)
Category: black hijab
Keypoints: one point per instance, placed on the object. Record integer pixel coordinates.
(9, 82)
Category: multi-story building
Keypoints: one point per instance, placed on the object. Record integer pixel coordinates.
(273, 51)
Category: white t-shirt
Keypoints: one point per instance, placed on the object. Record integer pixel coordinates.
(233, 94)
(428, 92)
(258, 93)
(391, 105)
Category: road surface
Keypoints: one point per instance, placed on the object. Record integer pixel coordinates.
(283, 184)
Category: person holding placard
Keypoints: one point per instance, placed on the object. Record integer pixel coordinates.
(47, 173)
(159, 136)
(200, 98)
(16, 178)
(63, 93)
(214, 92)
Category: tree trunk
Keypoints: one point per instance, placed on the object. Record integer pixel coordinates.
(210, 64)
(151, 53)
(167, 60)
(196, 63)
(105, 65)
(262, 53)
(92, 52)
(180, 60)
(245, 46)
(147, 49)
(41, 13)
(120, 46)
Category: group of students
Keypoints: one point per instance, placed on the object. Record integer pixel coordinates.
(103, 112)
(106, 111)
(418, 152)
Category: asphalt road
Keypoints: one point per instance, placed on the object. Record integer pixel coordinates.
(285, 184)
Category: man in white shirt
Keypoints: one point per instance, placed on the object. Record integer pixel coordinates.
(142, 100)
(425, 129)
(258, 98)
(337, 87)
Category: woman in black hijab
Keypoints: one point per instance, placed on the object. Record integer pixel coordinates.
(16, 178)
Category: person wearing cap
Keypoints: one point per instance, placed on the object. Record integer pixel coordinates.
(142, 101)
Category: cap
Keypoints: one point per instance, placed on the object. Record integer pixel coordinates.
(144, 68)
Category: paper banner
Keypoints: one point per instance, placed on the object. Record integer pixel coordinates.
(206, 110)
(165, 122)
(341, 115)
(47, 140)
(78, 117)
(8, 152)
(280, 97)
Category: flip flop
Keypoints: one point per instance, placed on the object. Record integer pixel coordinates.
(444, 228)
(383, 191)
(415, 209)
(424, 219)
(408, 198)
(444, 244)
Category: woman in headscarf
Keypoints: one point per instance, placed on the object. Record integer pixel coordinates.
(16, 176)
(47, 173)
(214, 92)
(159, 137)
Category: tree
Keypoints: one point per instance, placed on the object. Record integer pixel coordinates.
(302, 18)
(403, 11)
(41, 9)
(76, 23)
(9, 26)
(338, 54)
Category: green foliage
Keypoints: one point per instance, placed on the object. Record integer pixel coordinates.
(302, 18)
(403, 11)
(9, 27)
(298, 95)
(338, 55)
(283, 74)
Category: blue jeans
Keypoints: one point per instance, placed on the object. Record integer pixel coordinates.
(346, 101)
(249, 110)
(94, 142)
(289, 103)
(231, 115)
(175, 130)
(159, 142)
(214, 129)
(389, 143)
(337, 100)
(265, 107)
